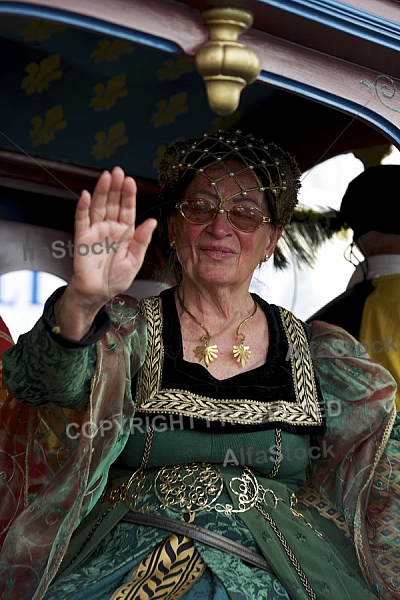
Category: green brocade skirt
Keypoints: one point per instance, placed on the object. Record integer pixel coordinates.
(309, 555)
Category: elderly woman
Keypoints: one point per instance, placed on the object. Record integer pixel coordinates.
(160, 447)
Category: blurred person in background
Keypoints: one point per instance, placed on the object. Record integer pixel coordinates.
(369, 309)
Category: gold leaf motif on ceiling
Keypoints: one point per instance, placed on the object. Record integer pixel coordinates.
(107, 95)
(168, 111)
(108, 142)
(38, 31)
(41, 75)
(173, 69)
(109, 51)
(45, 128)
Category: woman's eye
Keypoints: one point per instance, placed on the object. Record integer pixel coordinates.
(202, 205)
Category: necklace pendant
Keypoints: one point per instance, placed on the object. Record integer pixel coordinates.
(242, 354)
(206, 353)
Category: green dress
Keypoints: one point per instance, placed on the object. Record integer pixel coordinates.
(329, 562)
(261, 427)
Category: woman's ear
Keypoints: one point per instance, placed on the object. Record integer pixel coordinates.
(171, 228)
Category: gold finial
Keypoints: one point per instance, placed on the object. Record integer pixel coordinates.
(225, 64)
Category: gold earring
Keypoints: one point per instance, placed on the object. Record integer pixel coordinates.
(266, 258)
(172, 243)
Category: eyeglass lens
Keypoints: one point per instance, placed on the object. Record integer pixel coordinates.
(200, 211)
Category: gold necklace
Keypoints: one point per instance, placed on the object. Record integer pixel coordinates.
(210, 353)
(242, 352)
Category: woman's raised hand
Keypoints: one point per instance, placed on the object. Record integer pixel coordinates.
(109, 250)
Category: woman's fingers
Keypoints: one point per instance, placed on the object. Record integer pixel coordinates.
(144, 231)
(82, 219)
(127, 206)
(113, 201)
(100, 197)
(114, 198)
(114, 195)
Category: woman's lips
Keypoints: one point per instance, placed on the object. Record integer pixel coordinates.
(217, 252)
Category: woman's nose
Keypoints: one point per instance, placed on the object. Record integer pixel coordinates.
(221, 224)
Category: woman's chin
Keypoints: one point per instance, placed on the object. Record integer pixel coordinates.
(214, 275)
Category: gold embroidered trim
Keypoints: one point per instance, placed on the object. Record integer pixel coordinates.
(278, 455)
(149, 379)
(302, 367)
(358, 532)
(150, 398)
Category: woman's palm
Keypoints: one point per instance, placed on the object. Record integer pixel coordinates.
(109, 249)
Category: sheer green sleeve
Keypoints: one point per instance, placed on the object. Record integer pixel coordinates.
(54, 461)
(37, 370)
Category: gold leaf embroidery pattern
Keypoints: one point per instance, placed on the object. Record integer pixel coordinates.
(107, 95)
(108, 142)
(38, 31)
(168, 111)
(41, 75)
(172, 69)
(109, 51)
(45, 128)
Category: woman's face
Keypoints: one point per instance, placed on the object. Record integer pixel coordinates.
(216, 253)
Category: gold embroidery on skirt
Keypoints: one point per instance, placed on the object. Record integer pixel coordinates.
(166, 573)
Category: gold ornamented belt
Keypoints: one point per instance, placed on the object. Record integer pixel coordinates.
(191, 487)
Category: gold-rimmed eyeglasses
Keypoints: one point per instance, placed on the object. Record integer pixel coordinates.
(201, 211)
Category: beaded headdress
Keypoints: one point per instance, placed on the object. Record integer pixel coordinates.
(273, 168)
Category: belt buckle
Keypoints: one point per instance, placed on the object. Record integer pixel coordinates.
(189, 487)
